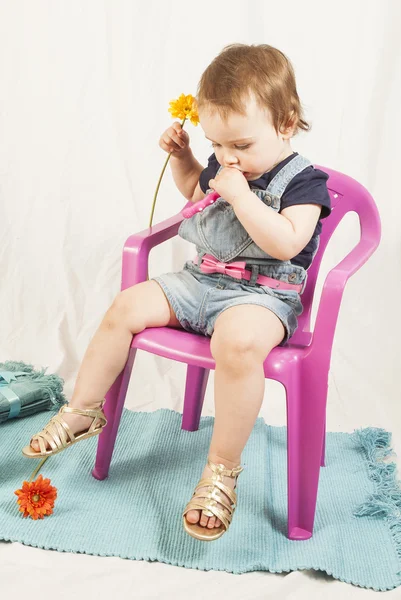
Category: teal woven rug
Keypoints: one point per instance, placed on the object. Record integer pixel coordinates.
(136, 512)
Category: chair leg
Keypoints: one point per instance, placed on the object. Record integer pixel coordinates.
(195, 388)
(306, 414)
(323, 459)
(113, 408)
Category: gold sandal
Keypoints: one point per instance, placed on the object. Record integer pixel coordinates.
(57, 432)
(208, 499)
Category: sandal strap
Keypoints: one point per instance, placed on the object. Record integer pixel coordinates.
(39, 438)
(212, 496)
(214, 483)
(220, 469)
(95, 413)
(62, 429)
(56, 433)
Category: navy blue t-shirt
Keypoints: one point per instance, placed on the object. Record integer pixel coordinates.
(308, 187)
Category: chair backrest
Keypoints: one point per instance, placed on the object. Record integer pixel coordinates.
(346, 195)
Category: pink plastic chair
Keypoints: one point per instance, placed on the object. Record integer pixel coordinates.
(302, 365)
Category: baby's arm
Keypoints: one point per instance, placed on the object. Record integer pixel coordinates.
(282, 235)
(186, 171)
(184, 166)
(198, 193)
(303, 219)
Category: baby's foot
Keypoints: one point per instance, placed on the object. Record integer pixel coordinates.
(77, 423)
(193, 516)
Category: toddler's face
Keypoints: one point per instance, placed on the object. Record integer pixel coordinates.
(248, 143)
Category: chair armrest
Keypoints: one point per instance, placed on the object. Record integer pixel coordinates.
(137, 247)
(330, 300)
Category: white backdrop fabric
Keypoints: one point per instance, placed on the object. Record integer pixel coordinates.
(84, 90)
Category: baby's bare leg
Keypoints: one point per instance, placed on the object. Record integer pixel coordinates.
(239, 384)
(134, 309)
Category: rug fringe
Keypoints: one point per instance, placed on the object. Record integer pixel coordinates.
(52, 384)
(385, 502)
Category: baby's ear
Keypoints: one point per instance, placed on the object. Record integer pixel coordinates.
(287, 128)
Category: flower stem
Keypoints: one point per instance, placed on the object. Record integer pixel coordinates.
(159, 182)
(37, 468)
(157, 189)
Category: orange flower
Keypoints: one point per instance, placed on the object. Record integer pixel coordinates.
(36, 498)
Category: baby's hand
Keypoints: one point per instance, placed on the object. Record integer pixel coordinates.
(230, 184)
(175, 140)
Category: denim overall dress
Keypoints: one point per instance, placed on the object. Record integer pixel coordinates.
(197, 298)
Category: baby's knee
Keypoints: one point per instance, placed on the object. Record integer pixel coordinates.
(123, 307)
(119, 304)
(235, 350)
(114, 314)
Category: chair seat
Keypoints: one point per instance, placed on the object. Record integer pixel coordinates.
(194, 348)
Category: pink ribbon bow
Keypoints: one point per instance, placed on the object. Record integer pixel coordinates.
(210, 264)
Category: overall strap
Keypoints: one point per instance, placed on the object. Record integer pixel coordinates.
(280, 181)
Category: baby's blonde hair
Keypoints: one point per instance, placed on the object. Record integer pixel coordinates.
(240, 70)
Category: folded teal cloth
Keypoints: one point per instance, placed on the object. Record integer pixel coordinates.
(24, 391)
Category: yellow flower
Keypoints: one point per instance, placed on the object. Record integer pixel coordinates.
(184, 108)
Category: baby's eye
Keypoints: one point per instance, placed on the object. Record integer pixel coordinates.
(236, 147)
